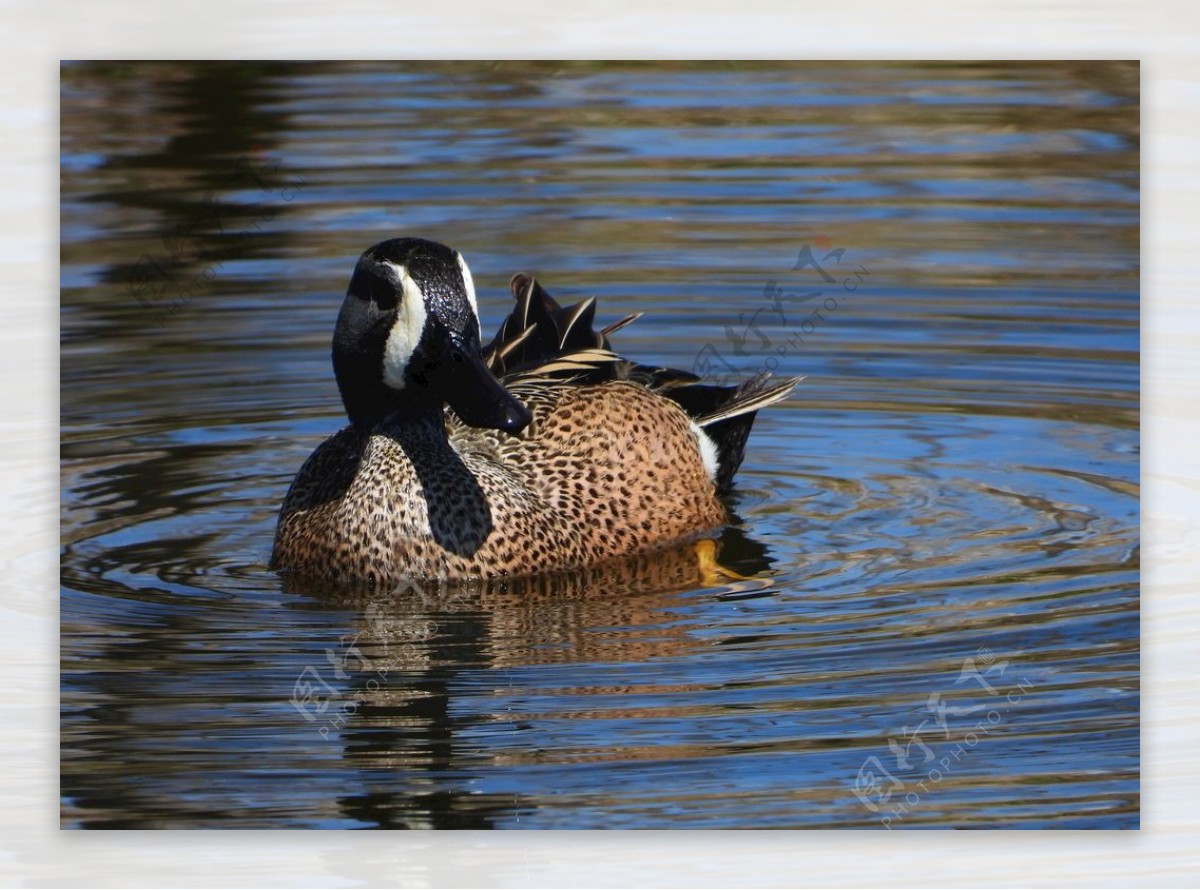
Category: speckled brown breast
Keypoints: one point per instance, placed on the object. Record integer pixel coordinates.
(602, 471)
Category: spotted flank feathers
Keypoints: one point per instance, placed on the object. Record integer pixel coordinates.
(544, 450)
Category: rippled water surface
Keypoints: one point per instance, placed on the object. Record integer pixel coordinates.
(926, 614)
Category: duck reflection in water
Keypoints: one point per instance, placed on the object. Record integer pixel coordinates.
(401, 684)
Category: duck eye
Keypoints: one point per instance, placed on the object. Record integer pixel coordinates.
(384, 296)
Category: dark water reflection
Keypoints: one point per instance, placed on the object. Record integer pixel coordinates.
(956, 480)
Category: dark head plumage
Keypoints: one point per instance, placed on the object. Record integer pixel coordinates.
(407, 339)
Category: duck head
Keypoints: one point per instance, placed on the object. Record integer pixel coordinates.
(407, 340)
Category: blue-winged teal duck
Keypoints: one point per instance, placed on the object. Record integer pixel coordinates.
(542, 451)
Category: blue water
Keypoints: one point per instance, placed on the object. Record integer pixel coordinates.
(938, 533)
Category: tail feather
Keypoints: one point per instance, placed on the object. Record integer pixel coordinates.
(555, 330)
(758, 392)
(497, 357)
(542, 339)
(576, 323)
(728, 424)
(617, 325)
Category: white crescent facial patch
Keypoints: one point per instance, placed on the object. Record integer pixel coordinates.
(468, 284)
(406, 333)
